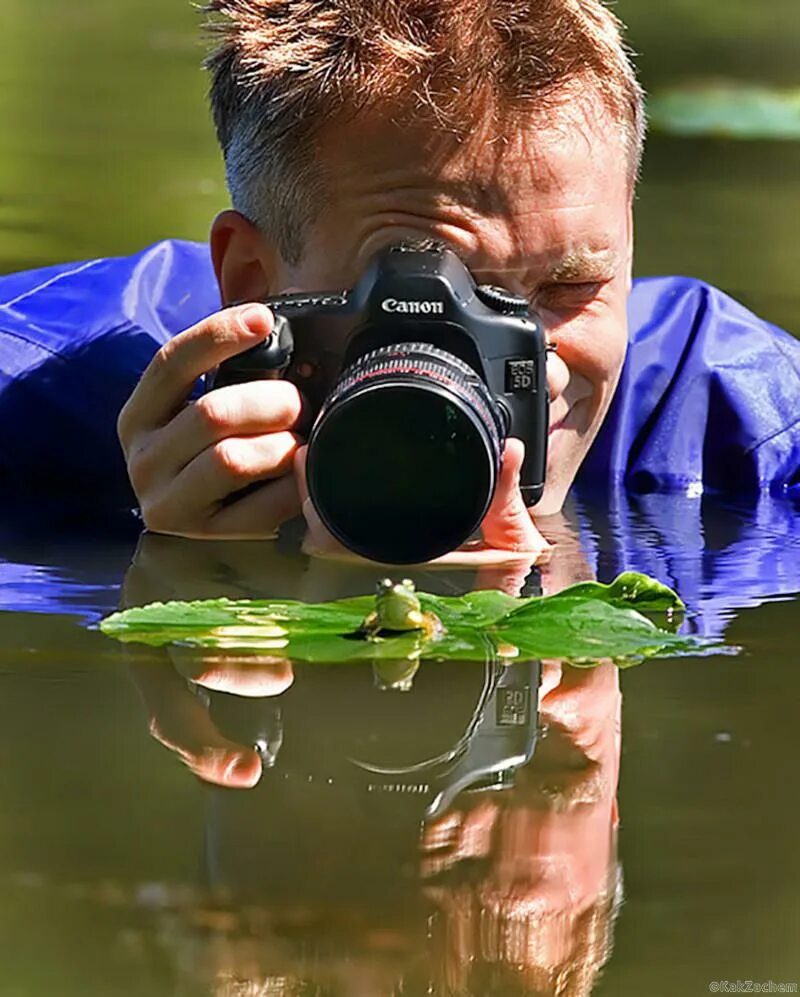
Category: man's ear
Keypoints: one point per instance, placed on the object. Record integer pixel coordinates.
(245, 262)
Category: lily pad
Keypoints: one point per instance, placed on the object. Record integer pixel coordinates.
(583, 624)
(727, 110)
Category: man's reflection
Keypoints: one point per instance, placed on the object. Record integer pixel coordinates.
(525, 883)
(515, 889)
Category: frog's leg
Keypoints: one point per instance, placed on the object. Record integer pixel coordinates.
(432, 625)
(416, 619)
(396, 675)
(370, 626)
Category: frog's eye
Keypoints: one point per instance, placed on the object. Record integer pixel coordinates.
(385, 585)
(407, 584)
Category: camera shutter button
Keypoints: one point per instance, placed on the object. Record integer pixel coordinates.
(501, 300)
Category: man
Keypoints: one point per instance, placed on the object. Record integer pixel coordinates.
(511, 132)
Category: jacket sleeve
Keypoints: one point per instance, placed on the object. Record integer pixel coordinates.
(74, 341)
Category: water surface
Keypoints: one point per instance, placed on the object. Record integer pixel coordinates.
(123, 873)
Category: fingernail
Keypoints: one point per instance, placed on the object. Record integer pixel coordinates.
(256, 319)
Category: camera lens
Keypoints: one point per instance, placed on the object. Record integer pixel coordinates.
(404, 457)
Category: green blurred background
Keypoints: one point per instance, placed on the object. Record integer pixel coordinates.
(107, 146)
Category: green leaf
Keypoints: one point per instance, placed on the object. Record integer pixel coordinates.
(727, 110)
(583, 624)
(627, 590)
(580, 629)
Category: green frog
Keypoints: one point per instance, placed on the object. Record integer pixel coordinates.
(397, 608)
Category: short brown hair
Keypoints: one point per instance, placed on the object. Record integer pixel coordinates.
(284, 68)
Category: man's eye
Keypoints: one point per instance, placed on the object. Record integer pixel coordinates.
(563, 295)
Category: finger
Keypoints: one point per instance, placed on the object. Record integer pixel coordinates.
(234, 463)
(238, 410)
(437, 847)
(581, 691)
(179, 721)
(255, 516)
(250, 675)
(189, 503)
(258, 515)
(172, 372)
(508, 524)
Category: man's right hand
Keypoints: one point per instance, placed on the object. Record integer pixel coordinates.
(186, 459)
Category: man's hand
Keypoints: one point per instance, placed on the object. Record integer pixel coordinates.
(186, 459)
(511, 542)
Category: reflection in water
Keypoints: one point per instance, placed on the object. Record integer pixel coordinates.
(512, 889)
(312, 874)
(525, 882)
(455, 839)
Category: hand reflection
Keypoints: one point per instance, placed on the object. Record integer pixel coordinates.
(169, 567)
(524, 880)
(181, 722)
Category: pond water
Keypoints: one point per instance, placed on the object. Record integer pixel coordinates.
(124, 872)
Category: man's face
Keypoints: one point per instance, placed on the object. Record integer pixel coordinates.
(544, 212)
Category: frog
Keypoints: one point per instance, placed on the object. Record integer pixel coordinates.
(398, 609)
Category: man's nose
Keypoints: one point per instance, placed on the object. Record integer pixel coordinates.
(557, 375)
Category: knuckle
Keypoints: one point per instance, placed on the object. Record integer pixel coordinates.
(225, 326)
(230, 457)
(143, 467)
(156, 516)
(220, 329)
(139, 472)
(162, 358)
(215, 414)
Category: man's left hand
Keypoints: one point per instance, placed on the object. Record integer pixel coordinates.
(509, 533)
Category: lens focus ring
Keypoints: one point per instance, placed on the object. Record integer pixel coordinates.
(408, 360)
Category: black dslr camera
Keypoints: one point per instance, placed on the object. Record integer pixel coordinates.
(416, 377)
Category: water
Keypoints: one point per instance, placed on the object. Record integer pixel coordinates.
(123, 873)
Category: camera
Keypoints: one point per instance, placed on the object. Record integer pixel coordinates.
(414, 377)
(349, 772)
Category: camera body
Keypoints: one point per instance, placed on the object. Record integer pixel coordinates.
(415, 318)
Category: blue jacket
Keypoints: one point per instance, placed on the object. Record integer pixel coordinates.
(708, 404)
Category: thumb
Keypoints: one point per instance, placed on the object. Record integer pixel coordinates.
(508, 524)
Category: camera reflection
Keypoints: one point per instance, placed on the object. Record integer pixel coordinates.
(449, 832)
